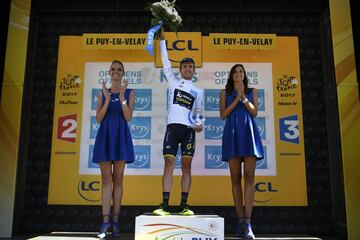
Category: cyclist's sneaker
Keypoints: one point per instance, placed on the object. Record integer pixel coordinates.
(185, 210)
(163, 210)
(249, 235)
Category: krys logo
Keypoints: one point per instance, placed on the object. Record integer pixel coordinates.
(143, 99)
(261, 126)
(142, 157)
(261, 99)
(212, 98)
(94, 126)
(213, 158)
(214, 128)
(286, 84)
(262, 164)
(89, 190)
(140, 127)
(94, 99)
(69, 83)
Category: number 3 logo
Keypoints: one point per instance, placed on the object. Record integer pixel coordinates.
(289, 129)
(66, 129)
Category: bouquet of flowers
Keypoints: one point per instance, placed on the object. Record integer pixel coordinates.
(165, 12)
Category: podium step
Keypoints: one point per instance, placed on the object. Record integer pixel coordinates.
(178, 227)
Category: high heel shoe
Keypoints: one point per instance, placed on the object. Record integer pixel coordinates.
(115, 229)
(239, 232)
(105, 226)
(249, 235)
(240, 228)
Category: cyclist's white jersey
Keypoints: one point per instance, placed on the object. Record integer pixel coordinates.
(183, 95)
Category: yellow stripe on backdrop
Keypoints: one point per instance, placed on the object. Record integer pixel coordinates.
(11, 102)
(349, 109)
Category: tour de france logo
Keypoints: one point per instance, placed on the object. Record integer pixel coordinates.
(287, 83)
(70, 82)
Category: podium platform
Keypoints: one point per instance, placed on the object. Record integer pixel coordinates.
(178, 227)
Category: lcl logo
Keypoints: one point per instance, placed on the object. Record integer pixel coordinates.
(184, 44)
(89, 190)
(181, 45)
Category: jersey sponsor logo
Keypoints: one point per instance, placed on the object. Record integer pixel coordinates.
(183, 99)
(143, 99)
(261, 126)
(140, 127)
(213, 158)
(214, 128)
(142, 157)
(66, 130)
(212, 99)
(289, 129)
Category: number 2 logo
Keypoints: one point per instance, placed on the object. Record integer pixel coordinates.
(66, 129)
(289, 129)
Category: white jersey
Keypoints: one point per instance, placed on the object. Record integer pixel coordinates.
(183, 95)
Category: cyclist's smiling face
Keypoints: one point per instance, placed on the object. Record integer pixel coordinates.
(187, 70)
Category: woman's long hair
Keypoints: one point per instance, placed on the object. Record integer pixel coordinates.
(229, 87)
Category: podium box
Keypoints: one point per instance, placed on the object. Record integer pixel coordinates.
(177, 227)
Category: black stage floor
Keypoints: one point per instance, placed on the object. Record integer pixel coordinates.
(130, 236)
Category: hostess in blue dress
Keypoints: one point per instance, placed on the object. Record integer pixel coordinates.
(113, 140)
(241, 136)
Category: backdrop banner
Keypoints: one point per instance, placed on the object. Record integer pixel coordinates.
(273, 69)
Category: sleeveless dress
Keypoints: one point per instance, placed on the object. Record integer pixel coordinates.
(113, 140)
(241, 136)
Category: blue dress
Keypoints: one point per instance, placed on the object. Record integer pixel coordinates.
(241, 136)
(113, 140)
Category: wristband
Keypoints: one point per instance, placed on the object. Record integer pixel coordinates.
(123, 102)
(245, 100)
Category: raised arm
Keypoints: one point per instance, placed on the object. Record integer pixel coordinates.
(168, 71)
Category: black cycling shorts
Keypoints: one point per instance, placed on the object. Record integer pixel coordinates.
(179, 134)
